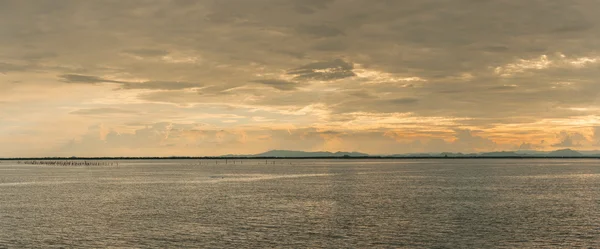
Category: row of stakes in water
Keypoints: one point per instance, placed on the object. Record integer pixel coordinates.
(110, 163)
(70, 163)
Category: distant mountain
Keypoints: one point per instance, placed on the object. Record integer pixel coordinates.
(450, 154)
(411, 155)
(501, 154)
(531, 152)
(508, 154)
(590, 152)
(293, 153)
(564, 153)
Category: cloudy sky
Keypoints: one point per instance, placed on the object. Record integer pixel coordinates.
(208, 77)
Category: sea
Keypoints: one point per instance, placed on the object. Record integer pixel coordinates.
(305, 203)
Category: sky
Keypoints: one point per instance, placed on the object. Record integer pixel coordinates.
(206, 78)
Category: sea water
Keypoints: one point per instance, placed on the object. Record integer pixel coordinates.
(425, 203)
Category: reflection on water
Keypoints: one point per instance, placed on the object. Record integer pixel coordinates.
(303, 203)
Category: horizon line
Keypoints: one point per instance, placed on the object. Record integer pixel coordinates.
(308, 157)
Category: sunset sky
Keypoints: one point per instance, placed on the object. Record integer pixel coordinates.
(196, 78)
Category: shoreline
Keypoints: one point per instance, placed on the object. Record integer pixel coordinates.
(283, 158)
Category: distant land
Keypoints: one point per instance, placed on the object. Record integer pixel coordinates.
(293, 154)
(507, 154)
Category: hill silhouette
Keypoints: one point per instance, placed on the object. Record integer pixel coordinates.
(565, 153)
(495, 154)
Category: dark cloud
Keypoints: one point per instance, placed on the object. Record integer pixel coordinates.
(149, 85)
(330, 45)
(310, 6)
(324, 71)
(219, 90)
(294, 54)
(319, 30)
(361, 94)
(282, 85)
(87, 79)
(404, 101)
(147, 52)
(574, 27)
(9, 67)
(303, 9)
(496, 49)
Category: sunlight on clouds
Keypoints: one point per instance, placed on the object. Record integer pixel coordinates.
(544, 62)
(180, 59)
(318, 110)
(585, 109)
(562, 84)
(202, 77)
(118, 97)
(523, 65)
(368, 121)
(377, 77)
(581, 121)
(583, 61)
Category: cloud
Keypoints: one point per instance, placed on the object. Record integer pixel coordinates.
(495, 68)
(528, 146)
(310, 6)
(466, 140)
(566, 142)
(495, 49)
(580, 26)
(160, 85)
(570, 139)
(404, 101)
(149, 85)
(504, 88)
(330, 45)
(320, 30)
(361, 94)
(36, 56)
(324, 71)
(462, 140)
(78, 78)
(282, 85)
(147, 52)
(9, 67)
(167, 139)
(102, 111)
(596, 135)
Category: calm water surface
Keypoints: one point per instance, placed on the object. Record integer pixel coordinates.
(471, 203)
